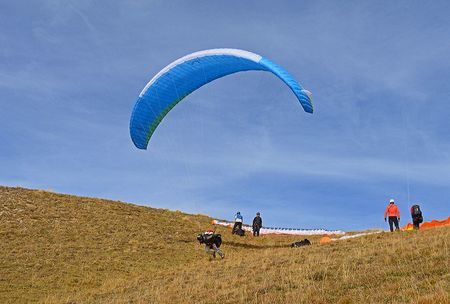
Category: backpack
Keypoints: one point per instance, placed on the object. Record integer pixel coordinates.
(415, 211)
(218, 240)
(210, 238)
(240, 232)
(305, 242)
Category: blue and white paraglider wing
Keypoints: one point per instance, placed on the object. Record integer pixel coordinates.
(185, 75)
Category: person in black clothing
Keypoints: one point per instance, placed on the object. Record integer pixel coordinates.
(416, 215)
(257, 224)
(212, 241)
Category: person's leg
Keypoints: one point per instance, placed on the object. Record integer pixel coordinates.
(257, 232)
(391, 223)
(234, 228)
(208, 249)
(219, 252)
(396, 223)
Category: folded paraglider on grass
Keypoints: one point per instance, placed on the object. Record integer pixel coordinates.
(429, 225)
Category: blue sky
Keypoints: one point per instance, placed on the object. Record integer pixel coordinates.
(70, 72)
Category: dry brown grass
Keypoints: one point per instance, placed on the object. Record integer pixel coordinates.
(65, 249)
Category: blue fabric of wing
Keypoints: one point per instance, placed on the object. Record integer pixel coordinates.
(181, 80)
(298, 90)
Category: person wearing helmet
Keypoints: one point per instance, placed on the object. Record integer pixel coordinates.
(257, 224)
(393, 214)
(238, 220)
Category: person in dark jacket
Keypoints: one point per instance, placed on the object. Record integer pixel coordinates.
(416, 215)
(257, 224)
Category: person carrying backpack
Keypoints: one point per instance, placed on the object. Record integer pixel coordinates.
(257, 224)
(212, 243)
(238, 220)
(416, 215)
(393, 214)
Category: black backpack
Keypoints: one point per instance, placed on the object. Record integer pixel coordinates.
(240, 232)
(209, 239)
(416, 212)
(218, 240)
(305, 242)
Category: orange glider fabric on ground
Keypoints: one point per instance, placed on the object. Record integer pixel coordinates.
(325, 239)
(429, 225)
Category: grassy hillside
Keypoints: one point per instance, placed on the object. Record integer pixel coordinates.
(65, 249)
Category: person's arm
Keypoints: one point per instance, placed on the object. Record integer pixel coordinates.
(385, 213)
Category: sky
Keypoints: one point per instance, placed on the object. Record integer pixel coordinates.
(71, 71)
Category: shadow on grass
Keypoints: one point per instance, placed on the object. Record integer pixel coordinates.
(252, 246)
(240, 245)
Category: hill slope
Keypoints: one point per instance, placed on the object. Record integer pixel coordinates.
(67, 249)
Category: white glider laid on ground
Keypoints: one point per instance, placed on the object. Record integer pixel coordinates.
(284, 231)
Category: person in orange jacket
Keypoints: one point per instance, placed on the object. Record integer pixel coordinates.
(393, 214)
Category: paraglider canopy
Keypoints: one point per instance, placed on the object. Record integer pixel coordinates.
(185, 75)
